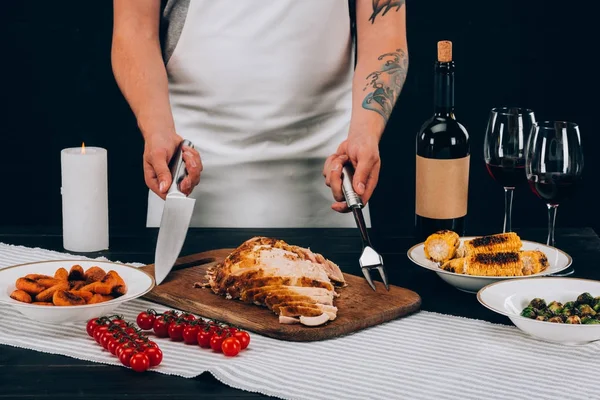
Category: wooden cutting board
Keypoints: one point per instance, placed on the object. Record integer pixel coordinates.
(359, 306)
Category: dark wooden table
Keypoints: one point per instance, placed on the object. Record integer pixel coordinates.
(28, 374)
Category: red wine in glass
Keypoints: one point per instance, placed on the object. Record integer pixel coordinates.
(554, 166)
(509, 173)
(553, 188)
(504, 151)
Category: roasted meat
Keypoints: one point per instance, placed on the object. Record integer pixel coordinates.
(292, 281)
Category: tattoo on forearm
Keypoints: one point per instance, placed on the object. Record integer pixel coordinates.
(385, 6)
(385, 85)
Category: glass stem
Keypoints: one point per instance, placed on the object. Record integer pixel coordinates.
(508, 200)
(551, 223)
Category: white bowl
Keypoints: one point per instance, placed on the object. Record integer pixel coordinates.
(558, 260)
(138, 283)
(510, 297)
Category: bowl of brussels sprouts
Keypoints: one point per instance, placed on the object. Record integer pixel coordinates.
(557, 310)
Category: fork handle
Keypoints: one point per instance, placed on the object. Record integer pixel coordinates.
(355, 203)
(352, 199)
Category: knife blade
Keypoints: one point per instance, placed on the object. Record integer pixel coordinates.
(175, 220)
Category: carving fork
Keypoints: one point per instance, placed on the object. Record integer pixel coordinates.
(369, 258)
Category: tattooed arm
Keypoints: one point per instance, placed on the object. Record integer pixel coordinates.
(382, 62)
(380, 73)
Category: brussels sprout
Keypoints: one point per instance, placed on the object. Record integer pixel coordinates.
(538, 303)
(586, 310)
(591, 321)
(585, 319)
(555, 307)
(585, 298)
(569, 304)
(528, 312)
(573, 319)
(544, 313)
(569, 311)
(596, 301)
(597, 307)
(541, 318)
(556, 319)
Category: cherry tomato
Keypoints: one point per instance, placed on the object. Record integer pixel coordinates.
(176, 331)
(119, 322)
(151, 344)
(231, 347)
(91, 324)
(125, 356)
(216, 341)
(139, 362)
(232, 330)
(105, 337)
(160, 327)
(145, 320)
(112, 346)
(99, 330)
(130, 330)
(204, 338)
(155, 355)
(190, 334)
(188, 317)
(243, 337)
(122, 346)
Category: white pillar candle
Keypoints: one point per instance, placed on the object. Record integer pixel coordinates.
(84, 199)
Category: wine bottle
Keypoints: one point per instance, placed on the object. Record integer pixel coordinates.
(443, 157)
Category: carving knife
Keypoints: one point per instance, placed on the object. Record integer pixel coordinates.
(175, 220)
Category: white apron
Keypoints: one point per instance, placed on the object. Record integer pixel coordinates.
(263, 88)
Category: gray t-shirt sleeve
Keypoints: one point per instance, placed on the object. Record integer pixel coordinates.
(174, 16)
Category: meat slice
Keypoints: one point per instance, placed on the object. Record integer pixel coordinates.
(292, 281)
(249, 294)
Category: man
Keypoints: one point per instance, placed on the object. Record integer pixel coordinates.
(268, 93)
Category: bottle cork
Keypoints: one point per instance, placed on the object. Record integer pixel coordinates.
(444, 51)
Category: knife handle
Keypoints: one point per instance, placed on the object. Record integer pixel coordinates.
(177, 166)
(352, 199)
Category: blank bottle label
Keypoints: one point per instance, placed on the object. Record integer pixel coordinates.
(442, 187)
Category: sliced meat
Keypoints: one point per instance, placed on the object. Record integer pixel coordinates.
(291, 280)
(314, 321)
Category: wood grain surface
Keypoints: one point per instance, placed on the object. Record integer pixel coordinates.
(359, 306)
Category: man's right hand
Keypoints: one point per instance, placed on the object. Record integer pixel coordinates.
(158, 151)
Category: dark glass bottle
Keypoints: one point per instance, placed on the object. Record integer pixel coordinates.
(443, 157)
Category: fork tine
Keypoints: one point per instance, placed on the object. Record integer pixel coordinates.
(367, 275)
(383, 276)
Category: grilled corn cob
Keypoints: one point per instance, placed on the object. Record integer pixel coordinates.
(487, 264)
(456, 265)
(502, 242)
(534, 261)
(514, 263)
(441, 246)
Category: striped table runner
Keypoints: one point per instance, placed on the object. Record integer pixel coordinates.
(423, 356)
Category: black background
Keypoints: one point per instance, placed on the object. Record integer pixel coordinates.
(58, 90)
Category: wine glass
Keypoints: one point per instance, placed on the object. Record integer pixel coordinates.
(504, 151)
(553, 165)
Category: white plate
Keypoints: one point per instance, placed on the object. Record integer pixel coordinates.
(138, 283)
(558, 260)
(510, 297)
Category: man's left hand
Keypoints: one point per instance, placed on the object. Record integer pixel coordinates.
(362, 151)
